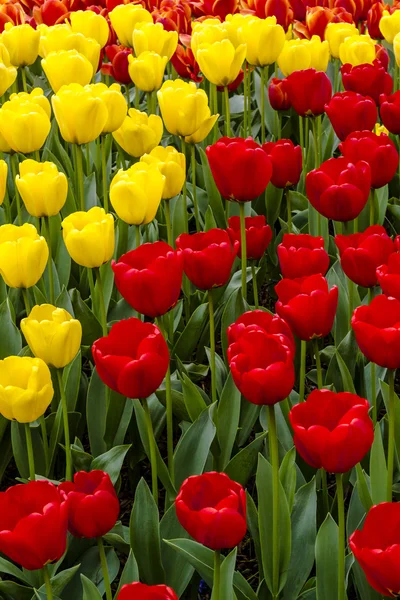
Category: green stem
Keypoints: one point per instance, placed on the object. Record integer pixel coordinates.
(128, 100)
(255, 286)
(168, 406)
(137, 98)
(286, 193)
(302, 381)
(103, 312)
(372, 207)
(342, 536)
(103, 140)
(152, 447)
(217, 575)
(351, 285)
(318, 363)
(186, 222)
(373, 373)
(79, 175)
(29, 448)
(391, 440)
(262, 104)
(325, 495)
(316, 144)
(23, 76)
(26, 301)
(47, 582)
(45, 443)
(227, 112)
(167, 210)
(245, 94)
(46, 223)
(212, 348)
(68, 457)
(87, 148)
(104, 568)
(249, 113)
(243, 249)
(336, 74)
(274, 457)
(14, 167)
(137, 236)
(196, 206)
(91, 287)
(301, 135)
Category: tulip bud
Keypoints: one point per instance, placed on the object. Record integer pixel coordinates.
(3, 179)
(357, 50)
(115, 103)
(90, 25)
(22, 43)
(125, 17)
(336, 33)
(139, 133)
(89, 237)
(24, 125)
(278, 94)
(43, 188)
(172, 164)
(264, 41)
(65, 67)
(23, 255)
(221, 62)
(147, 71)
(8, 73)
(154, 38)
(390, 25)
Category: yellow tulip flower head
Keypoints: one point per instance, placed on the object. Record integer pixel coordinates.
(8, 73)
(207, 32)
(36, 96)
(3, 179)
(295, 56)
(22, 43)
(336, 33)
(80, 113)
(89, 237)
(264, 40)
(23, 255)
(136, 193)
(172, 164)
(125, 17)
(139, 133)
(147, 70)
(221, 62)
(115, 103)
(233, 24)
(320, 54)
(26, 389)
(185, 111)
(65, 67)
(52, 334)
(61, 37)
(357, 50)
(53, 38)
(90, 25)
(390, 25)
(154, 38)
(4, 147)
(24, 125)
(396, 48)
(42, 188)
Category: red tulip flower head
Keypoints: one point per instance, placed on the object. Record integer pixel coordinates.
(278, 94)
(349, 111)
(390, 112)
(117, 68)
(377, 548)
(141, 591)
(301, 255)
(185, 64)
(307, 305)
(377, 331)
(33, 524)
(264, 321)
(367, 80)
(339, 189)
(332, 431)
(309, 91)
(374, 16)
(93, 505)
(240, 167)
(280, 9)
(132, 359)
(208, 257)
(286, 161)
(212, 509)
(388, 276)
(258, 235)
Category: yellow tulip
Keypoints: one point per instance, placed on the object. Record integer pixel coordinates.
(207, 32)
(295, 56)
(154, 38)
(234, 23)
(24, 125)
(115, 103)
(380, 129)
(65, 67)
(52, 334)
(264, 40)
(147, 71)
(26, 389)
(336, 33)
(22, 43)
(53, 38)
(136, 193)
(172, 164)
(125, 17)
(61, 37)
(42, 188)
(23, 255)
(36, 96)
(90, 25)
(3, 180)
(357, 50)
(390, 25)
(193, 120)
(4, 147)
(396, 48)
(319, 53)
(81, 114)
(221, 62)
(8, 73)
(89, 237)
(139, 133)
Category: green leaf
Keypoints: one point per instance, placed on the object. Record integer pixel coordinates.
(242, 466)
(378, 468)
(90, 591)
(348, 385)
(10, 340)
(96, 414)
(178, 570)
(209, 221)
(111, 462)
(326, 552)
(192, 397)
(214, 196)
(8, 568)
(227, 573)
(287, 476)
(363, 489)
(130, 572)
(228, 420)
(385, 393)
(91, 328)
(188, 339)
(365, 590)
(234, 308)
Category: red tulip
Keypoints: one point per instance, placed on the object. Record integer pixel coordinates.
(150, 278)
(377, 548)
(280, 9)
(339, 189)
(258, 235)
(212, 509)
(317, 19)
(185, 64)
(286, 161)
(302, 255)
(117, 68)
(362, 253)
(382, 55)
(367, 80)
(267, 322)
(278, 94)
(307, 305)
(174, 15)
(299, 9)
(332, 431)
(390, 112)
(207, 257)
(51, 12)
(132, 359)
(215, 8)
(232, 161)
(309, 91)
(141, 591)
(388, 276)
(374, 16)
(93, 505)
(33, 524)
(348, 111)
(377, 331)
(262, 366)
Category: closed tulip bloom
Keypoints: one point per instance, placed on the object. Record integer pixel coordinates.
(125, 17)
(208, 32)
(295, 56)
(141, 591)
(26, 389)
(185, 64)
(154, 38)
(207, 257)
(261, 320)
(24, 125)
(61, 37)
(36, 96)
(91, 25)
(264, 41)
(258, 235)
(388, 276)
(171, 164)
(43, 188)
(147, 70)
(93, 505)
(390, 112)
(33, 527)
(278, 94)
(286, 161)
(379, 151)
(212, 509)
(390, 25)
(367, 80)
(336, 33)
(118, 65)
(80, 114)
(193, 120)
(136, 193)
(150, 278)
(52, 334)
(332, 431)
(339, 189)
(89, 237)
(8, 73)
(232, 160)
(302, 255)
(23, 255)
(281, 9)
(309, 91)
(357, 50)
(115, 102)
(307, 305)
(349, 111)
(139, 133)
(132, 359)
(373, 20)
(3, 180)
(65, 67)
(221, 62)
(377, 331)
(320, 54)
(22, 43)
(52, 39)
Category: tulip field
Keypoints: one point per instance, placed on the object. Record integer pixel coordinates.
(199, 300)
